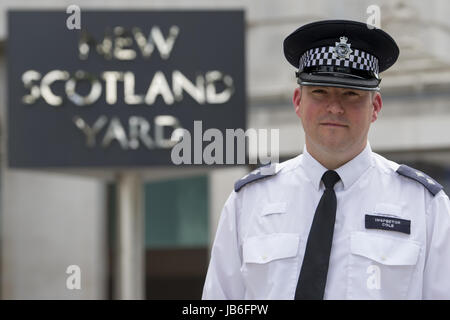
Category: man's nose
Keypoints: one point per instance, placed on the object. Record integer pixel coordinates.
(335, 106)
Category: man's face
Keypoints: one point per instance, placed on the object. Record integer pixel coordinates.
(336, 120)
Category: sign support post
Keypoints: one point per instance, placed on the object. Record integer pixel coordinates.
(130, 241)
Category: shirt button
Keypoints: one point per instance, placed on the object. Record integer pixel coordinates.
(383, 258)
(264, 257)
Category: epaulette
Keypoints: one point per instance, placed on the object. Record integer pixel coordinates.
(420, 177)
(258, 174)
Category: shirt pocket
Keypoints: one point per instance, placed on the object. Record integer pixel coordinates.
(380, 267)
(270, 264)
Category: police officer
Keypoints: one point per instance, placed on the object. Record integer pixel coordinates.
(338, 221)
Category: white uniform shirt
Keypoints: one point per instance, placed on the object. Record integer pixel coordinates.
(263, 229)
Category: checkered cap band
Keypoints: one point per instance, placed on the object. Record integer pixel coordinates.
(325, 56)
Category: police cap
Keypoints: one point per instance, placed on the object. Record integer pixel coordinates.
(340, 53)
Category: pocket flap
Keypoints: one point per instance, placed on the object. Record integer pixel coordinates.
(274, 207)
(387, 251)
(263, 249)
(388, 209)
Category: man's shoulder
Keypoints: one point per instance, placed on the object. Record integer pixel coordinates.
(420, 177)
(265, 172)
(407, 174)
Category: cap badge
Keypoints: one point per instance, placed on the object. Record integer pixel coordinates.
(342, 49)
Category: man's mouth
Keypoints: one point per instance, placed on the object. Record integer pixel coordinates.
(333, 124)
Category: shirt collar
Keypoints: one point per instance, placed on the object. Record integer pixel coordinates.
(349, 172)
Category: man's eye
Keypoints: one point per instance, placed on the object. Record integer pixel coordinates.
(319, 91)
(350, 93)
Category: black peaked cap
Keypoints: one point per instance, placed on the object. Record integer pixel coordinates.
(327, 33)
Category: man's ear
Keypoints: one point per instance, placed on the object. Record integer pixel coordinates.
(377, 104)
(296, 100)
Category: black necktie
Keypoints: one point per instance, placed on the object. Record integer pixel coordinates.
(313, 275)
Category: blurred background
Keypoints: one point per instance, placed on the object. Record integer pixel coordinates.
(51, 219)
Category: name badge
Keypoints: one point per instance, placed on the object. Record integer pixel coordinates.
(388, 223)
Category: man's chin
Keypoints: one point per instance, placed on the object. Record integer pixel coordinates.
(334, 146)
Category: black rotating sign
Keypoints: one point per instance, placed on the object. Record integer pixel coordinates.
(120, 90)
